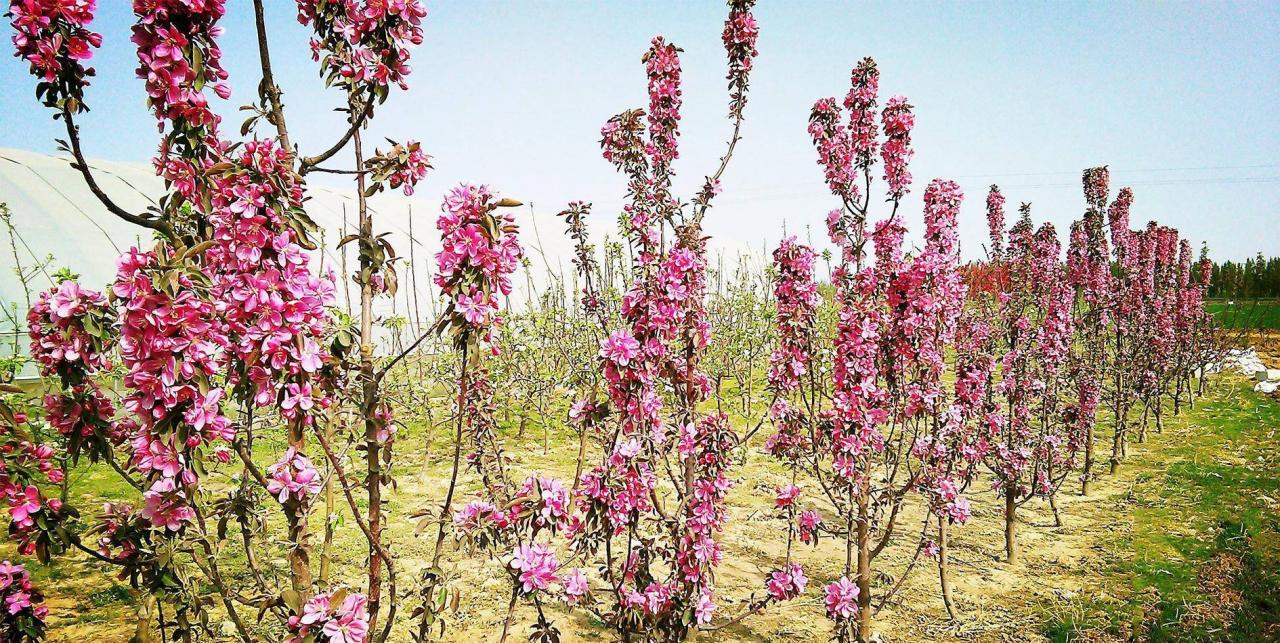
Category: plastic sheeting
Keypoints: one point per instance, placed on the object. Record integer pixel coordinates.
(59, 223)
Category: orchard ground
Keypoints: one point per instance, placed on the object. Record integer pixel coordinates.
(1182, 544)
(1252, 314)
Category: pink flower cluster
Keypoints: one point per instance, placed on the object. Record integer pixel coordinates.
(995, 222)
(896, 151)
(858, 398)
(786, 496)
(845, 150)
(658, 308)
(171, 345)
(739, 37)
(864, 86)
(402, 166)
(535, 566)
(479, 252)
(71, 336)
(902, 308)
(786, 583)
(122, 532)
(542, 504)
(662, 65)
(1097, 187)
(1088, 262)
(364, 43)
(796, 294)
(25, 464)
(54, 39)
(1118, 221)
(576, 586)
(68, 326)
(662, 307)
(271, 305)
(336, 617)
(790, 440)
(546, 500)
(167, 505)
(809, 522)
(705, 448)
(841, 599)
(835, 148)
(293, 478)
(22, 609)
(178, 57)
(248, 308)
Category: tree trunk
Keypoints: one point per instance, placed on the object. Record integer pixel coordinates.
(1177, 395)
(326, 548)
(1117, 440)
(944, 567)
(864, 566)
(1146, 420)
(1160, 415)
(299, 556)
(1088, 461)
(1010, 524)
(369, 401)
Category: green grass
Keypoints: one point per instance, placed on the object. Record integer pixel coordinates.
(111, 595)
(1246, 313)
(1206, 509)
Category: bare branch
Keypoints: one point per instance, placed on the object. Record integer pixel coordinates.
(73, 138)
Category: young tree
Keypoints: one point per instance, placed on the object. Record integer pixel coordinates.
(890, 430)
(1036, 437)
(224, 319)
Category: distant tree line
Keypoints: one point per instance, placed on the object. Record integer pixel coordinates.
(1258, 277)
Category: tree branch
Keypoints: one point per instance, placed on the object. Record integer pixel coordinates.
(269, 89)
(364, 526)
(309, 163)
(73, 138)
(405, 353)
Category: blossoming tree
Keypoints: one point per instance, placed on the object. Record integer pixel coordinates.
(223, 321)
(891, 430)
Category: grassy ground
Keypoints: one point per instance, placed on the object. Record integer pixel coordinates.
(1182, 544)
(1200, 561)
(1263, 315)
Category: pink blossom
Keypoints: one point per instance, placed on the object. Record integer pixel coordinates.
(620, 348)
(536, 565)
(787, 583)
(293, 478)
(841, 599)
(575, 586)
(347, 622)
(165, 505)
(786, 496)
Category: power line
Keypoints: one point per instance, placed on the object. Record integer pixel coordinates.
(1203, 168)
(772, 195)
(1154, 182)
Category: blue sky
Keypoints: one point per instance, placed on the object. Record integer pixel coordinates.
(1178, 98)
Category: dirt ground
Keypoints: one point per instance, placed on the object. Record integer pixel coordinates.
(1061, 570)
(1267, 343)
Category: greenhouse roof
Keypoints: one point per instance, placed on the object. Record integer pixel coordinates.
(59, 223)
